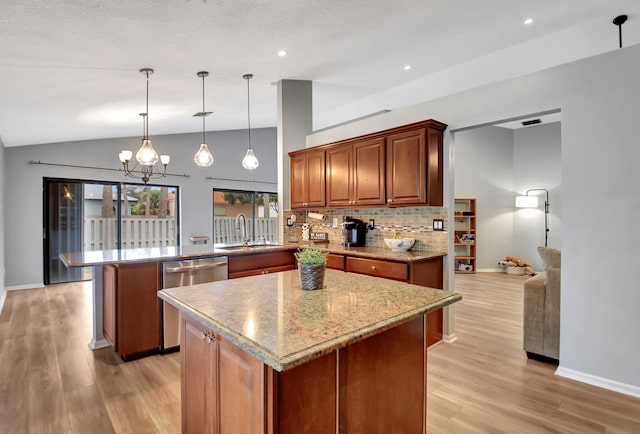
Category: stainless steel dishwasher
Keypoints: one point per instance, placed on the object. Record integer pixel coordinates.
(186, 273)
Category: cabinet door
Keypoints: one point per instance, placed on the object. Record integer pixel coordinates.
(298, 182)
(139, 309)
(199, 353)
(250, 265)
(406, 168)
(340, 176)
(369, 172)
(315, 179)
(307, 181)
(109, 306)
(240, 386)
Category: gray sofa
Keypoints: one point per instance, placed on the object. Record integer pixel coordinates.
(541, 328)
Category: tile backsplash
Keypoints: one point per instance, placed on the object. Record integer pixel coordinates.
(409, 222)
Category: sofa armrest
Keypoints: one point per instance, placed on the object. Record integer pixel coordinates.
(552, 313)
(533, 314)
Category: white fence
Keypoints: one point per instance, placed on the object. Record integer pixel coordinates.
(137, 232)
(140, 232)
(224, 230)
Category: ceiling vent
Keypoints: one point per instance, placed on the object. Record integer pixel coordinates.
(531, 122)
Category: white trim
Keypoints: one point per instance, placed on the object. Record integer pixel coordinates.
(450, 338)
(3, 296)
(605, 383)
(20, 287)
(96, 345)
(490, 270)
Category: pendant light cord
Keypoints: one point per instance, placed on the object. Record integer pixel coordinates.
(248, 77)
(146, 131)
(203, 112)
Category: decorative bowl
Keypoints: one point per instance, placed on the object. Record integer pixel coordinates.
(399, 244)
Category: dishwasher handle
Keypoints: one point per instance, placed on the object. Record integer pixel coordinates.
(189, 268)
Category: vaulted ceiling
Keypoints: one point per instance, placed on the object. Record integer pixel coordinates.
(69, 69)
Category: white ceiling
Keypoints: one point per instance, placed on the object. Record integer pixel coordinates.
(69, 69)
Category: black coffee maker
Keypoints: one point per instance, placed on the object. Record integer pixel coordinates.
(353, 232)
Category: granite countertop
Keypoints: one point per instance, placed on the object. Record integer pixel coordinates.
(270, 317)
(155, 254)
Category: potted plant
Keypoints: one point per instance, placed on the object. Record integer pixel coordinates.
(311, 265)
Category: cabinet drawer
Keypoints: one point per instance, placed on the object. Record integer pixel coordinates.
(261, 271)
(259, 261)
(335, 262)
(373, 267)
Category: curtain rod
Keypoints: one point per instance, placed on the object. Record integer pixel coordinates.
(184, 175)
(240, 180)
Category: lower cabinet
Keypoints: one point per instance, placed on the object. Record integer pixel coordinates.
(221, 384)
(260, 263)
(425, 273)
(131, 308)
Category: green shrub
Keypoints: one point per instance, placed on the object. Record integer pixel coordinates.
(311, 256)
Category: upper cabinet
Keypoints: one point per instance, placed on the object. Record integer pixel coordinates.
(355, 174)
(397, 167)
(307, 179)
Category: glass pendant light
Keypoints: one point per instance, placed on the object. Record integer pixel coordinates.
(203, 157)
(249, 162)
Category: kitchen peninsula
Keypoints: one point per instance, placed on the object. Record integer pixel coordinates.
(261, 355)
(125, 282)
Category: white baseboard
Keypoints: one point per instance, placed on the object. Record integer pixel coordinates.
(605, 383)
(30, 286)
(96, 345)
(450, 338)
(490, 270)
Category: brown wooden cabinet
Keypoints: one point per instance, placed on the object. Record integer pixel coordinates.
(131, 308)
(260, 263)
(355, 174)
(307, 179)
(400, 166)
(425, 273)
(336, 262)
(221, 384)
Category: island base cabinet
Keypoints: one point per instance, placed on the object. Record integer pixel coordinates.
(376, 385)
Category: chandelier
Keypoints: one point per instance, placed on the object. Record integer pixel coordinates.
(249, 162)
(203, 157)
(146, 156)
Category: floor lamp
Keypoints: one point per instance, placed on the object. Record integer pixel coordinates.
(532, 202)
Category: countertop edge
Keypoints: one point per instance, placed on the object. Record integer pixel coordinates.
(292, 360)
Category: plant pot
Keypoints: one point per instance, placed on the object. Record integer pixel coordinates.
(311, 276)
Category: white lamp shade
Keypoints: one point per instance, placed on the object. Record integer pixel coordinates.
(203, 157)
(125, 156)
(146, 155)
(526, 201)
(164, 159)
(250, 162)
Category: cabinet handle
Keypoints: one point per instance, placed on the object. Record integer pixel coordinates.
(389, 200)
(373, 267)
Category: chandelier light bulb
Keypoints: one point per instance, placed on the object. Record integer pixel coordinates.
(203, 157)
(146, 155)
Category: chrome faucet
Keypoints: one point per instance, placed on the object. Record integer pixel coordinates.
(242, 229)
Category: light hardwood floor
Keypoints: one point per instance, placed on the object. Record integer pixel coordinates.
(50, 382)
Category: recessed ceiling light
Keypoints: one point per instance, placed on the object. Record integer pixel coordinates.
(282, 53)
(528, 21)
(407, 67)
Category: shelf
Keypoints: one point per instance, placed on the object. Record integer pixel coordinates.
(464, 230)
(465, 244)
(464, 257)
(465, 272)
(465, 238)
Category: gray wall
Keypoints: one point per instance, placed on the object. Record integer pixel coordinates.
(494, 165)
(537, 164)
(23, 224)
(484, 171)
(2, 226)
(600, 328)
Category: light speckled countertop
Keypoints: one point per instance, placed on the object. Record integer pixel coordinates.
(270, 317)
(161, 254)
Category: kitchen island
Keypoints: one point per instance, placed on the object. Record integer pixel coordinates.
(261, 355)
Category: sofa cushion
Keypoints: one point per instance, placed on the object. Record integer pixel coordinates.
(550, 257)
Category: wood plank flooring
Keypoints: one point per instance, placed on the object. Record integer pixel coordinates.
(51, 382)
